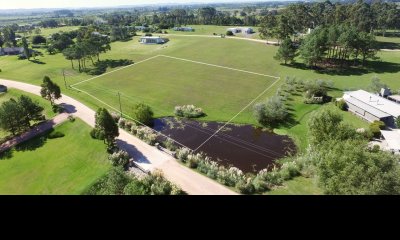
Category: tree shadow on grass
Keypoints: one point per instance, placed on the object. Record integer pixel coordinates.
(37, 62)
(388, 45)
(34, 143)
(370, 67)
(8, 154)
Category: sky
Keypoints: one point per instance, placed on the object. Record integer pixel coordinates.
(27, 4)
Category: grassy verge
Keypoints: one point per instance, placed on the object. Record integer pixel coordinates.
(298, 186)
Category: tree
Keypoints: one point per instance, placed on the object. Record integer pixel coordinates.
(229, 33)
(38, 39)
(12, 118)
(50, 90)
(143, 114)
(348, 167)
(1, 41)
(31, 110)
(27, 51)
(398, 122)
(286, 51)
(325, 125)
(376, 85)
(271, 112)
(106, 124)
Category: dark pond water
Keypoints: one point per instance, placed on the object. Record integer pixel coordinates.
(245, 147)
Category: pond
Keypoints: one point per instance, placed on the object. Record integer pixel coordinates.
(243, 146)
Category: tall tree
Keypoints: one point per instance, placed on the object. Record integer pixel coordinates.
(31, 110)
(143, 114)
(12, 118)
(50, 90)
(106, 124)
(286, 51)
(27, 51)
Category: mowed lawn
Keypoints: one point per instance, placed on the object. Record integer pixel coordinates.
(65, 165)
(164, 83)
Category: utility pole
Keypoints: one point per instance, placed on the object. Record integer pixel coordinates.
(65, 82)
(120, 106)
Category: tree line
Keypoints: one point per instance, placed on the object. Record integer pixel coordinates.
(376, 17)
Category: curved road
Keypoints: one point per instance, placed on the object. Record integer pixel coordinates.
(146, 156)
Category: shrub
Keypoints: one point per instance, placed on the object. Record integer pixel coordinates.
(229, 33)
(134, 129)
(120, 158)
(148, 35)
(245, 186)
(54, 135)
(230, 177)
(376, 128)
(143, 114)
(128, 125)
(115, 116)
(121, 123)
(71, 118)
(289, 170)
(170, 145)
(97, 134)
(147, 134)
(193, 161)
(189, 111)
(341, 105)
(271, 112)
(182, 154)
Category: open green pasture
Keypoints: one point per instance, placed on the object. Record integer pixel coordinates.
(65, 165)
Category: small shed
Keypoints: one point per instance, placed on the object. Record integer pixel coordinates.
(152, 40)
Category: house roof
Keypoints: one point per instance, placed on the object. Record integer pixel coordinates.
(373, 103)
(12, 49)
(150, 37)
(392, 138)
(395, 97)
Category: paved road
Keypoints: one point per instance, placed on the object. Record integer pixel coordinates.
(147, 157)
(35, 131)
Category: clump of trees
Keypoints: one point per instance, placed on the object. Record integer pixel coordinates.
(16, 116)
(376, 85)
(344, 163)
(117, 182)
(271, 112)
(188, 111)
(316, 91)
(375, 128)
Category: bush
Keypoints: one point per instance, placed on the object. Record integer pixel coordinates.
(376, 128)
(147, 134)
(397, 119)
(143, 114)
(183, 154)
(128, 125)
(120, 158)
(189, 111)
(121, 123)
(97, 134)
(71, 118)
(341, 105)
(148, 35)
(115, 116)
(289, 170)
(229, 33)
(170, 145)
(245, 187)
(57, 108)
(229, 177)
(271, 112)
(54, 135)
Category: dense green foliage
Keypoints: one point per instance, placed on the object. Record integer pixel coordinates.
(117, 182)
(271, 112)
(50, 90)
(286, 51)
(143, 114)
(105, 127)
(16, 116)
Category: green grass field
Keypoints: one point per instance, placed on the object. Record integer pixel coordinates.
(14, 93)
(222, 93)
(65, 165)
(298, 186)
(240, 54)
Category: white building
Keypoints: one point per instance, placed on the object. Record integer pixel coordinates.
(392, 139)
(152, 40)
(372, 107)
(235, 30)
